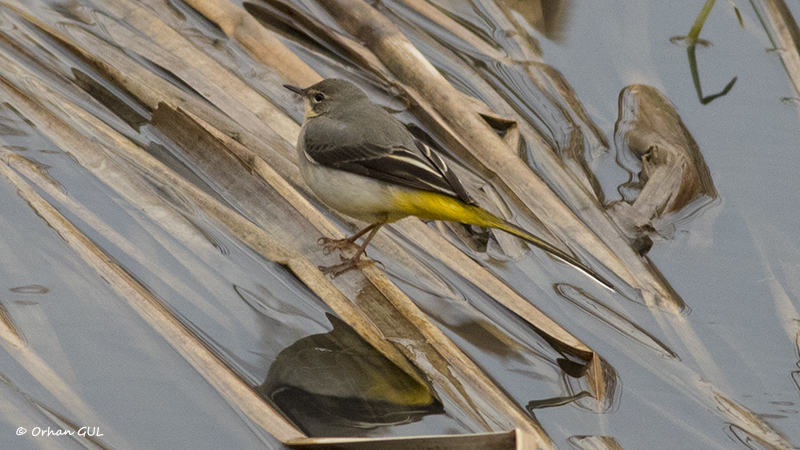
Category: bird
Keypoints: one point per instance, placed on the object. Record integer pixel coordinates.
(361, 161)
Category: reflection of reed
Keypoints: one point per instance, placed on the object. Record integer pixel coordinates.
(548, 17)
(784, 33)
(613, 319)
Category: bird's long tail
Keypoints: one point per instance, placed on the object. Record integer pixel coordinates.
(555, 251)
(435, 206)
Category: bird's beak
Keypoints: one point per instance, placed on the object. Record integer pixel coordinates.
(294, 89)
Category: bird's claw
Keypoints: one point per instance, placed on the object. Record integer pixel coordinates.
(329, 245)
(348, 264)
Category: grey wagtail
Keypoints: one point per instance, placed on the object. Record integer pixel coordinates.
(362, 162)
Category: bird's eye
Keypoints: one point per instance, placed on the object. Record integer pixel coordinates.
(319, 97)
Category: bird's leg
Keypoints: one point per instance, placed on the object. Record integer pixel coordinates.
(355, 262)
(330, 245)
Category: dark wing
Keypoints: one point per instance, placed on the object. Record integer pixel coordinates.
(448, 174)
(422, 169)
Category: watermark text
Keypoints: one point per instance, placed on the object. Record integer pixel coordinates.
(82, 431)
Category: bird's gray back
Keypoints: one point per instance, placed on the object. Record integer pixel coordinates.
(350, 128)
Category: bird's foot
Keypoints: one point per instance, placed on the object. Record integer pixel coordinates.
(348, 264)
(329, 245)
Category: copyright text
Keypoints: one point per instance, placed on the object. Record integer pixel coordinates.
(82, 431)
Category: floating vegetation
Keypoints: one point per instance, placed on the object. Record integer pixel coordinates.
(691, 40)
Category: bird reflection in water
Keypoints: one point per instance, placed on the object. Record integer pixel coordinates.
(335, 384)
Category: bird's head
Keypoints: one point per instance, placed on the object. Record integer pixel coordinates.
(330, 95)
